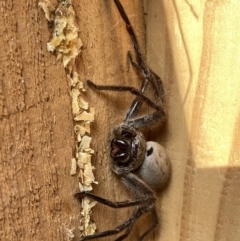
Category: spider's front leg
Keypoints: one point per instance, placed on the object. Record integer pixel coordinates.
(149, 78)
(141, 122)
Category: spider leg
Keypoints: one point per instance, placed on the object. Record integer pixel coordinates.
(126, 88)
(140, 65)
(135, 184)
(153, 78)
(131, 33)
(155, 223)
(158, 115)
(134, 64)
(127, 232)
(109, 203)
(139, 211)
(110, 232)
(158, 91)
(145, 121)
(137, 102)
(128, 225)
(148, 75)
(145, 195)
(143, 204)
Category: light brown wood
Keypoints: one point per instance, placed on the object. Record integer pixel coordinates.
(37, 137)
(192, 46)
(36, 130)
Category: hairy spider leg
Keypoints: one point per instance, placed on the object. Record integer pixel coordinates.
(132, 35)
(128, 225)
(122, 204)
(137, 214)
(140, 66)
(143, 205)
(154, 224)
(148, 75)
(158, 115)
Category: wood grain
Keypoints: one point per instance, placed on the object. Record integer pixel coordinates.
(193, 46)
(36, 130)
(37, 136)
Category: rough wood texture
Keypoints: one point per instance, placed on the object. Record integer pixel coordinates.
(37, 139)
(194, 48)
(36, 130)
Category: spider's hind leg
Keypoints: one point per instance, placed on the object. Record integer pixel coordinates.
(154, 224)
(134, 64)
(144, 202)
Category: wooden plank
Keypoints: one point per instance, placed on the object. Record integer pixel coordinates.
(194, 48)
(36, 122)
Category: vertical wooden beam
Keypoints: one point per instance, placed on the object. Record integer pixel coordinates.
(194, 47)
(36, 127)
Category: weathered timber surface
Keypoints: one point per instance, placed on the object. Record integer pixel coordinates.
(195, 50)
(36, 123)
(36, 130)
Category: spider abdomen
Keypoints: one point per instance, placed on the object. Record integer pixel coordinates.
(155, 169)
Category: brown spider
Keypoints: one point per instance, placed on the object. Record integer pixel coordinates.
(143, 166)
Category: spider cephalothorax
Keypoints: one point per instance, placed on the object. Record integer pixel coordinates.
(128, 149)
